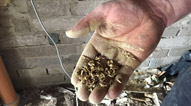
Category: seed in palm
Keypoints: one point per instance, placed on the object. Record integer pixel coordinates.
(97, 72)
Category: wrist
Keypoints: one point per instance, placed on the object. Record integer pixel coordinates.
(169, 10)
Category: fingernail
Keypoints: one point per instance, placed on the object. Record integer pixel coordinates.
(69, 33)
(74, 33)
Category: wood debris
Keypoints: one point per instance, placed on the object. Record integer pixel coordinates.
(145, 88)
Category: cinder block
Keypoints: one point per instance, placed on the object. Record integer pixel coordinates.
(21, 25)
(180, 41)
(55, 69)
(68, 66)
(186, 31)
(28, 63)
(32, 73)
(38, 51)
(160, 52)
(70, 59)
(55, 24)
(82, 8)
(49, 80)
(170, 32)
(50, 8)
(58, 70)
(178, 51)
(45, 62)
(37, 72)
(160, 62)
(23, 40)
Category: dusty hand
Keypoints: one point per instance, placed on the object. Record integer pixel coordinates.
(120, 26)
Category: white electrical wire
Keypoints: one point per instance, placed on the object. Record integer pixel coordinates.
(57, 50)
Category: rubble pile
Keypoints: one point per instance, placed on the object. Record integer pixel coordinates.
(144, 88)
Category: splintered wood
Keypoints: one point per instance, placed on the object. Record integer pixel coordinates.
(97, 72)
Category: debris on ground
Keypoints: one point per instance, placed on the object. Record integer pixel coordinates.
(52, 96)
(144, 88)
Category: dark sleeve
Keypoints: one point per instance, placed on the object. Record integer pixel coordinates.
(180, 95)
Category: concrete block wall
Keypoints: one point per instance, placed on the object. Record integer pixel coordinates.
(176, 40)
(32, 62)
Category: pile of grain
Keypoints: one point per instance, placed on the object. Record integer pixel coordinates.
(97, 72)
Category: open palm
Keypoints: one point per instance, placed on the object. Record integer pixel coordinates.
(126, 32)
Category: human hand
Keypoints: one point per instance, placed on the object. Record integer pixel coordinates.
(120, 26)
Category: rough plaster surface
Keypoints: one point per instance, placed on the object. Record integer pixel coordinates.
(31, 61)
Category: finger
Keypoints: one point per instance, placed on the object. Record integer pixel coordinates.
(83, 93)
(115, 90)
(97, 95)
(90, 52)
(120, 81)
(74, 79)
(83, 27)
(89, 23)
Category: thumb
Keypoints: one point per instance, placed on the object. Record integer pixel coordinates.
(83, 27)
(89, 23)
